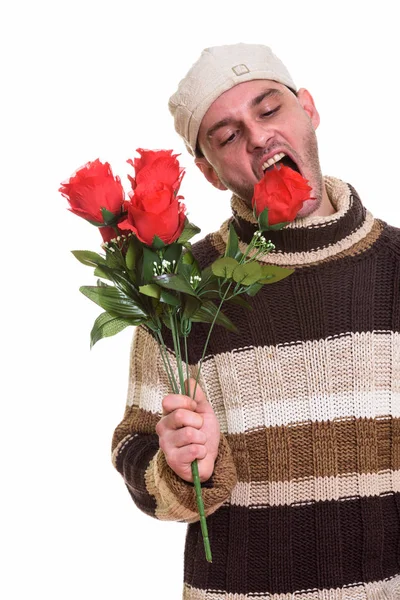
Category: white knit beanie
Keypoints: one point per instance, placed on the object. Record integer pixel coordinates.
(217, 70)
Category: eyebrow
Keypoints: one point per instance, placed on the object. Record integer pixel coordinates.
(255, 102)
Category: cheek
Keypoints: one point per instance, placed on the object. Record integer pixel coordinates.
(302, 139)
(236, 162)
(296, 131)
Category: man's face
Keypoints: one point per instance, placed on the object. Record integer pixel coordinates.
(249, 124)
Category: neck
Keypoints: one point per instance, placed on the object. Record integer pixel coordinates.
(325, 208)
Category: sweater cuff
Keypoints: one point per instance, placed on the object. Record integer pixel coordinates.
(175, 497)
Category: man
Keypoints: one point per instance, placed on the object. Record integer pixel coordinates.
(296, 426)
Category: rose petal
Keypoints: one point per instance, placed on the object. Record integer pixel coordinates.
(283, 191)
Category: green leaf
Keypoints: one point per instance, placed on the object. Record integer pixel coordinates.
(272, 273)
(185, 271)
(188, 232)
(107, 325)
(278, 226)
(173, 253)
(115, 259)
(113, 301)
(240, 301)
(166, 320)
(151, 325)
(98, 272)
(171, 281)
(188, 258)
(157, 243)
(232, 245)
(208, 279)
(155, 291)
(253, 289)
(224, 267)
(131, 254)
(91, 259)
(191, 305)
(206, 314)
(248, 273)
(123, 282)
(151, 290)
(168, 298)
(263, 219)
(149, 258)
(109, 218)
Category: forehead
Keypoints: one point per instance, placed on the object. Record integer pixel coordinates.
(236, 99)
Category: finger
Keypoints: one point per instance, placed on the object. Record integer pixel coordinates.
(182, 418)
(187, 435)
(190, 386)
(174, 401)
(187, 454)
(202, 404)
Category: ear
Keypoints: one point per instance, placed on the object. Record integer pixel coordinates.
(307, 103)
(209, 173)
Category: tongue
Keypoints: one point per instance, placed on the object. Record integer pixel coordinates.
(288, 162)
(277, 165)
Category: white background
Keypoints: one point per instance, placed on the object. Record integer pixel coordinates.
(82, 80)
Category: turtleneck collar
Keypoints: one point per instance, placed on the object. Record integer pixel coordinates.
(309, 240)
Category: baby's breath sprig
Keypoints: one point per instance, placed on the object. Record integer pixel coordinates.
(166, 266)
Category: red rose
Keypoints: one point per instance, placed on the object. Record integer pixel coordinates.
(92, 188)
(156, 165)
(283, 191)
(154, 208)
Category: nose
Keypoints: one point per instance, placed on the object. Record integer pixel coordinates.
(258, 135)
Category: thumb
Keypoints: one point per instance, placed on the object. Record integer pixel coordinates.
(202, 403)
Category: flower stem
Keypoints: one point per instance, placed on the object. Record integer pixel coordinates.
(186, 356)
(209, 335)
(167, 364)
(197, 484)
(194, 465)
(200, 506)
(177, 346)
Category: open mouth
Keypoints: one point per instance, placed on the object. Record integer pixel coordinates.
(280, 159)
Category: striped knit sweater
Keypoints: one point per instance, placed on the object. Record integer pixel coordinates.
(304, 501)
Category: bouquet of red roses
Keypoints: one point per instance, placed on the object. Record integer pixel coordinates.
(148, 274)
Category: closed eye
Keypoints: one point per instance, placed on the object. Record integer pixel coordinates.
(270, 112)
(229, 139)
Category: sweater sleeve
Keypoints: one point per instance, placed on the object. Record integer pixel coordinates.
(154, 487)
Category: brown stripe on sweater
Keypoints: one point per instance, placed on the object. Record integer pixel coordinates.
(274, 319)
(362, 445)
(325, 449)
(136, 420)
(324, 543)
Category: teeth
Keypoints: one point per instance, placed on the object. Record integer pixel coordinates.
(273, 160)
